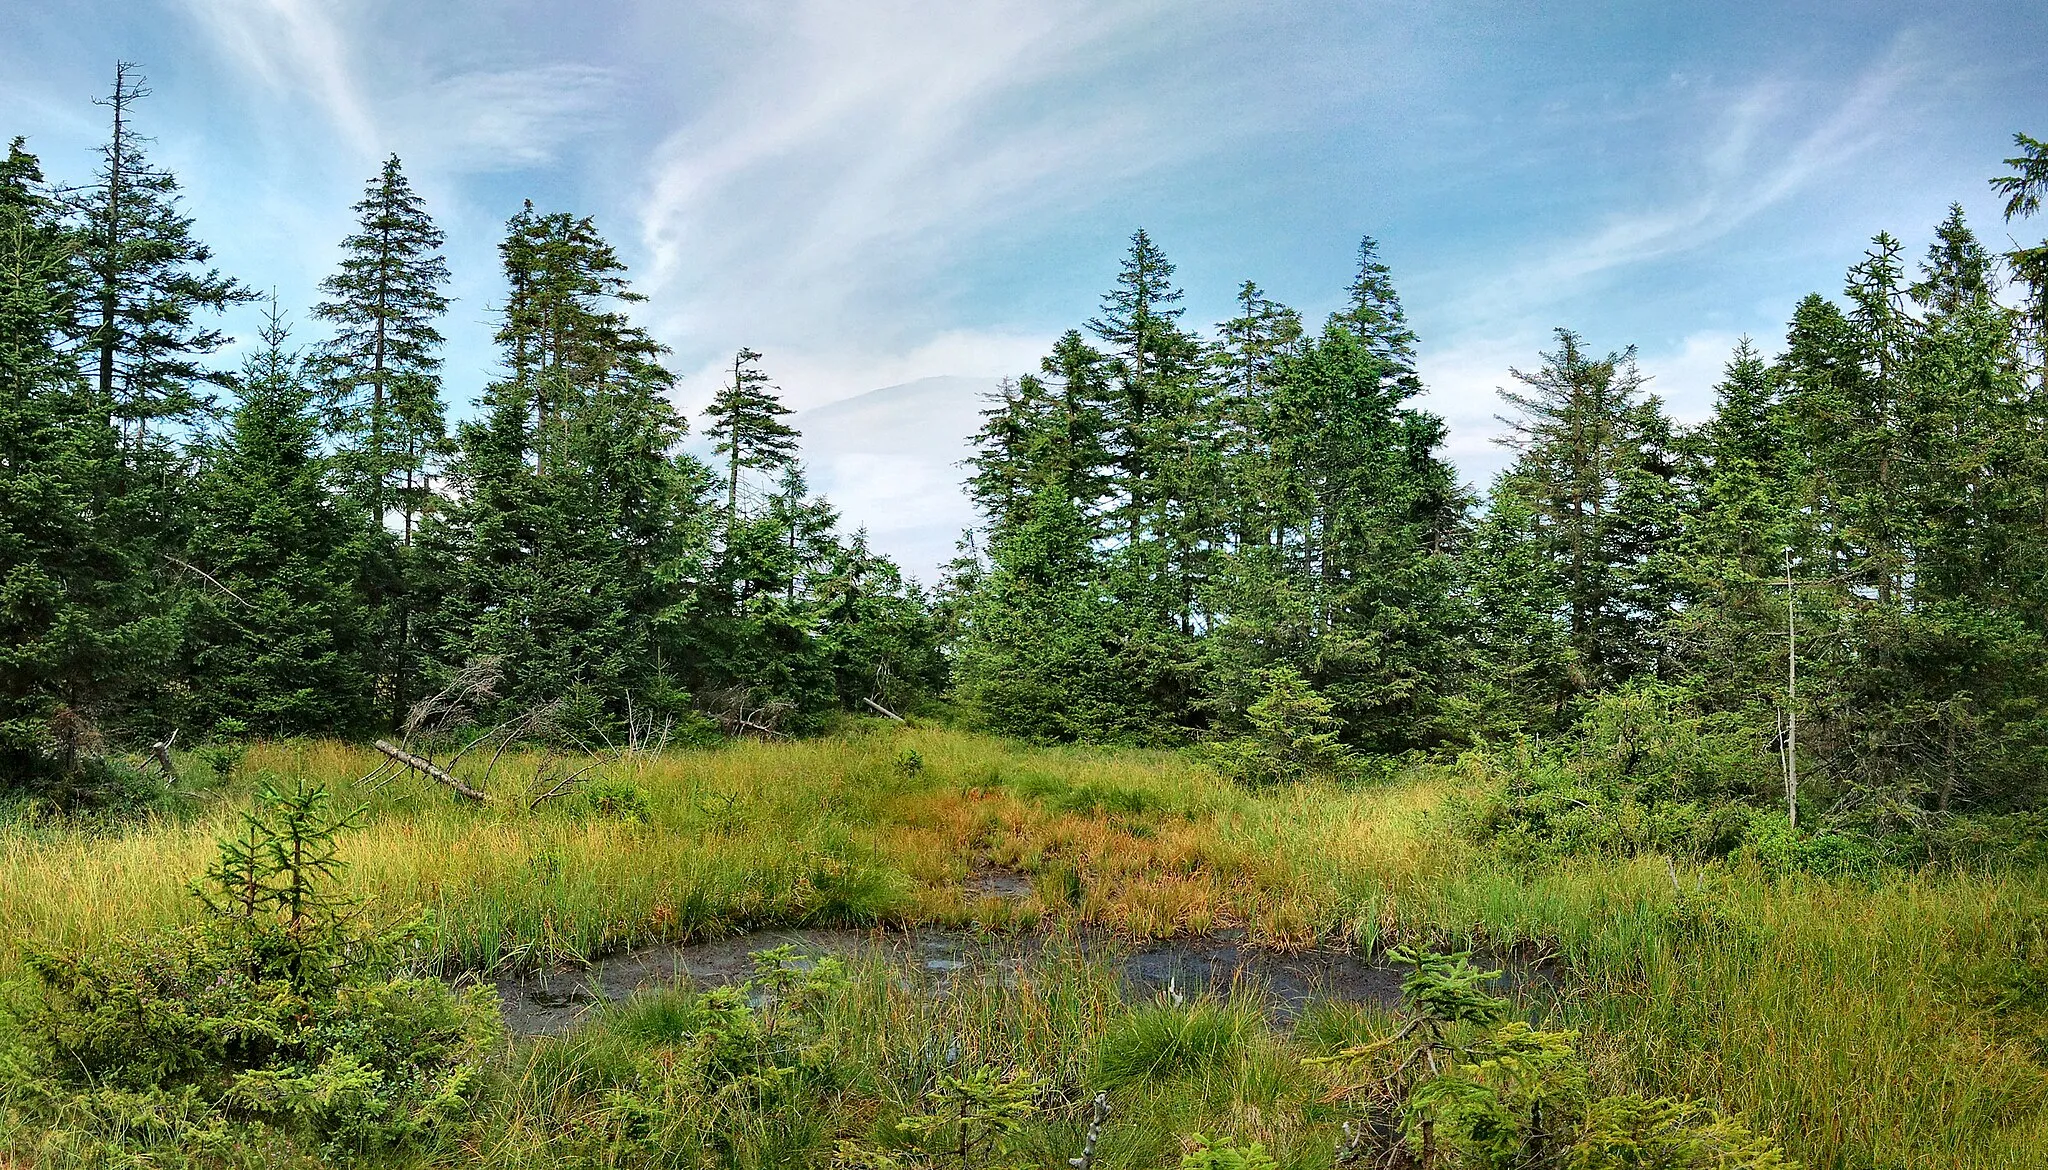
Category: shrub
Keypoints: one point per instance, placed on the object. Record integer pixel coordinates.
(1226, 1154)
(1781, 849)
(1294, 736)
(617, 800)
(225, 749)
(1459, 1086)
(282, 1015)
(1642, 772)
(974, 1118)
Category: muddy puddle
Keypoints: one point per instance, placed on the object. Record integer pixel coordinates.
(1285, 983)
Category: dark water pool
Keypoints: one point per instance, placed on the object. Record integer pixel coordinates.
(1284, 982)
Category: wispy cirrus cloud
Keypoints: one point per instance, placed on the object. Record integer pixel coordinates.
(865, 150)
(1767, 144)
(1764, 144)
(491, 119)
(294, 46)
(506, 119)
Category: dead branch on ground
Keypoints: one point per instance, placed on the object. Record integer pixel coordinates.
(428, 768)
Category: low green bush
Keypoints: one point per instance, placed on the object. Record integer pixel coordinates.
(1460, 1086)
(281, 1020)
(616, 800)
(1294, 736)
(1642, 772)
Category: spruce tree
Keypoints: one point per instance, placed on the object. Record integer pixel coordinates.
(1045, 432)
(80, 623)
(746, 420)
(1741, 514)
(278, 627)
(382, 367)
(574, 527)
(2024, 189)
(149, 288)
(876, 630)
(1526, 670)
(1244, 368)
(1051, 652)
(380, 382)
(1152, 366)
(1374, 315)
(1597, 474)
(1352, 590)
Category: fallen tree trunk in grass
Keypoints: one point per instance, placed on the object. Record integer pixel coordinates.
(428, 767)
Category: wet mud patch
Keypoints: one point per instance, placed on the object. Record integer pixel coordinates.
(999, 883)
(1283, 983)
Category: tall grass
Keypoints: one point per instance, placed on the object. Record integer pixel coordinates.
(1889, 1022)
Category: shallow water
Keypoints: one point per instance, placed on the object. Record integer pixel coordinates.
(554, 1001)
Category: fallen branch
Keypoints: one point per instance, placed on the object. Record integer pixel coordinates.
(427, 767)
(884, 710)
(210, 578)
(564, 784)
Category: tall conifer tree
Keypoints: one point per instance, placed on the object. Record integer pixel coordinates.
(382, 367)
(80, 624)
(567, 545)
(280, 631)
(149, 287)
(1597, 475)
(746, 420)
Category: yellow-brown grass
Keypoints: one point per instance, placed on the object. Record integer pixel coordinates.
(1865, 1023)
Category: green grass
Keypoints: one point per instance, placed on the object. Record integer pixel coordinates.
(1893, 1022)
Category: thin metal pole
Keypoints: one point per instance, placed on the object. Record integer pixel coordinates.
(1791, 698)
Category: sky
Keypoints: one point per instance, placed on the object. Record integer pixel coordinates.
(884, 193)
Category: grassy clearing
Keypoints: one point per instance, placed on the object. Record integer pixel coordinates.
(1900, 1022)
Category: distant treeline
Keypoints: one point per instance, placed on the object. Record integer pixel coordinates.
(1177, 526)
(304, 546)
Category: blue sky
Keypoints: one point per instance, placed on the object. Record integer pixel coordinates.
(873, 193)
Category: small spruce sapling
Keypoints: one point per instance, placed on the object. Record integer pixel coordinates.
(1226, 1154)
(275, 878)
(1460, 1086)
(977, 1117)
(1295, 735)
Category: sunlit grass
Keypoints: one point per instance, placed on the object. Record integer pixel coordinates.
(1881, 1023)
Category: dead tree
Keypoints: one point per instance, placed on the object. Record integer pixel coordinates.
(733, 710)
(160, 751)
(428, 768)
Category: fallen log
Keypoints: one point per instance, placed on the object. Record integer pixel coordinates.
(883, 710)
(428, 767)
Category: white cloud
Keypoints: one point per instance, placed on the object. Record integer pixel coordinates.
(814, 377)
(293, 46)
(1765, 148)
(503, 119)
(1766, 145)
(480, 120)
(864, 150)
